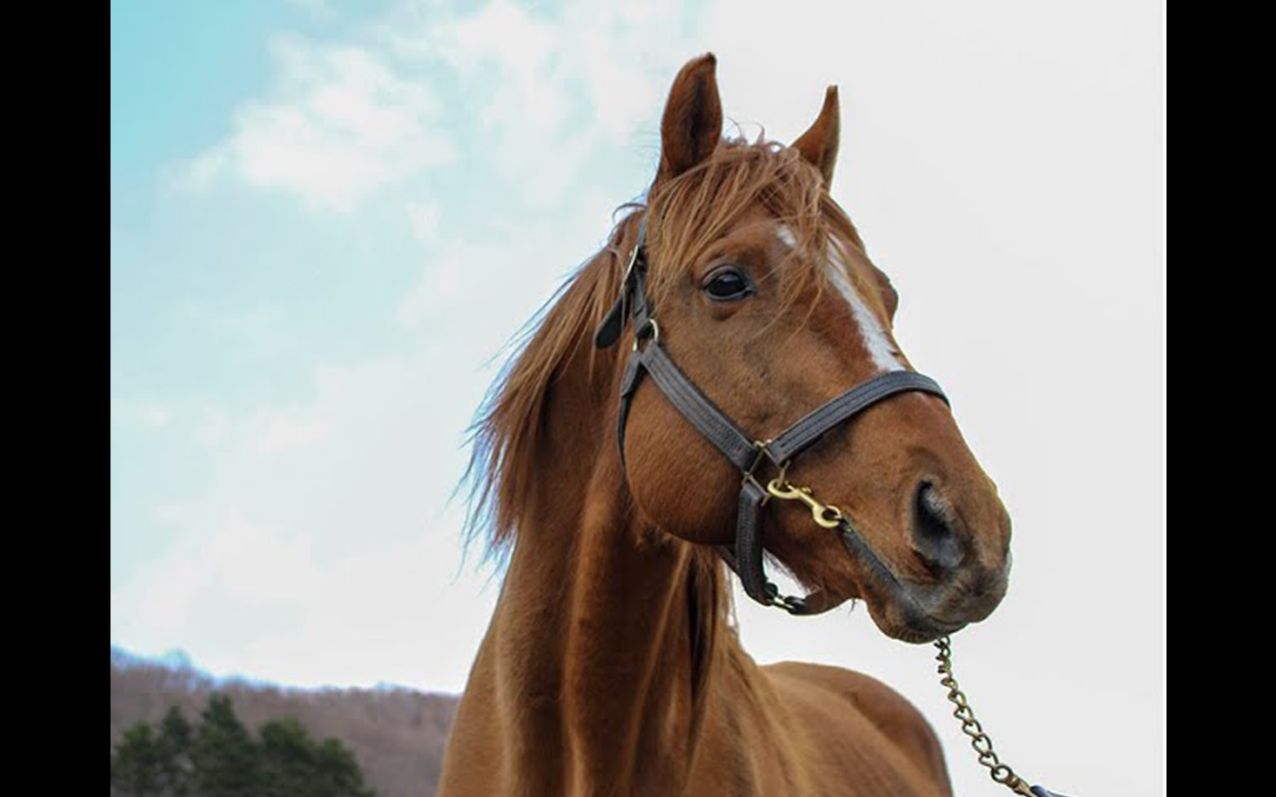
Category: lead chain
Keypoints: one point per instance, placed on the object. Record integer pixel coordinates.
(1001, 773)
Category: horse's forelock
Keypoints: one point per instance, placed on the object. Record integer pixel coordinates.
(691, 212)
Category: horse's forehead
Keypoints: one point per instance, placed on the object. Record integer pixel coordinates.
(757, 229)
(872, 333)
(756, 224)
(752, 235)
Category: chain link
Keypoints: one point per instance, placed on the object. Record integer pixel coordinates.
(1001, 773)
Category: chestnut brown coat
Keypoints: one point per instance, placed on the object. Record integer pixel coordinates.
(612, 665)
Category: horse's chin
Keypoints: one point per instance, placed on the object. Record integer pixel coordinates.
(907, 624)
(902, 620)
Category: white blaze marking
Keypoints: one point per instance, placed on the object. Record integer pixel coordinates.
(880, 349)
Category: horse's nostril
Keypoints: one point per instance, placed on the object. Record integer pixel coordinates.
(933, 536)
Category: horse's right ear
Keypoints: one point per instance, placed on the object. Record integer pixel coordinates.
(818, 145)
(692, 123)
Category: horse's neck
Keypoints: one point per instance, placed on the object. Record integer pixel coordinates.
(600, 630)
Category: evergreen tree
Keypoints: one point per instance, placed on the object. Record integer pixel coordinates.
(221, 758)
(337, 772)
(135, 766)
(288, 759)
(226, 759)
(294, 764)
(174, 746)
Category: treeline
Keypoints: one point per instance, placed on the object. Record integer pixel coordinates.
(219, 757)
(396, 734)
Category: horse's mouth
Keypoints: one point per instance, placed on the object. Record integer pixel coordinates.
(905, 622)
(913, 612)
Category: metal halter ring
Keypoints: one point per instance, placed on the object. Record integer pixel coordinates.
(641, 332)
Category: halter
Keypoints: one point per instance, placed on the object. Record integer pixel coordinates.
(747, 453)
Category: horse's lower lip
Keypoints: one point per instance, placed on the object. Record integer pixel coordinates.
(915, 627)
(906, 610)
(944, 625)
(927, 623)
(918, 608)
(943, 629)
(922, 618)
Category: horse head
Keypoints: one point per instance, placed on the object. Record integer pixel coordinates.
(769, 304)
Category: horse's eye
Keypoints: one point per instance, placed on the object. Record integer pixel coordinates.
(728, 284)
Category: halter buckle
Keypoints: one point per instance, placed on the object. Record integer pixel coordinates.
(748, 474)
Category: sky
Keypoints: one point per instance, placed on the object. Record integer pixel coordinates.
(328, 220)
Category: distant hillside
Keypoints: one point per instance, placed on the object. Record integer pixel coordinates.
(396, 733)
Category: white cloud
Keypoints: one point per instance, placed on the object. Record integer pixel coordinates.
(292, 428)
(155, 415)
(441, 283)
(150, 414)
(322, 529)
(326, 525)
(212, 427)
(346, 121)
(547, 91)
(423, 217)
(343, 124)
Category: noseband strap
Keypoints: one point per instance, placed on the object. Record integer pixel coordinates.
(746, 453)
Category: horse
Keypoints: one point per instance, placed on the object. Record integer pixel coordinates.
(612, 665)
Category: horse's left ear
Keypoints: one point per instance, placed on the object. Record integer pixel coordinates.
(818, 145)
(692, 122)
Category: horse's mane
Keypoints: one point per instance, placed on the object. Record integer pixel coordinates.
(686, 215)
(506, 434)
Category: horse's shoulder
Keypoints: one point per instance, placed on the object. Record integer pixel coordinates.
(888, 710)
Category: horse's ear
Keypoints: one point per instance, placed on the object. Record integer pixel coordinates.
(692, 123)
(818, 145)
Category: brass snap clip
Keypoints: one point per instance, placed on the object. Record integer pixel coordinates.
(826, 515)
